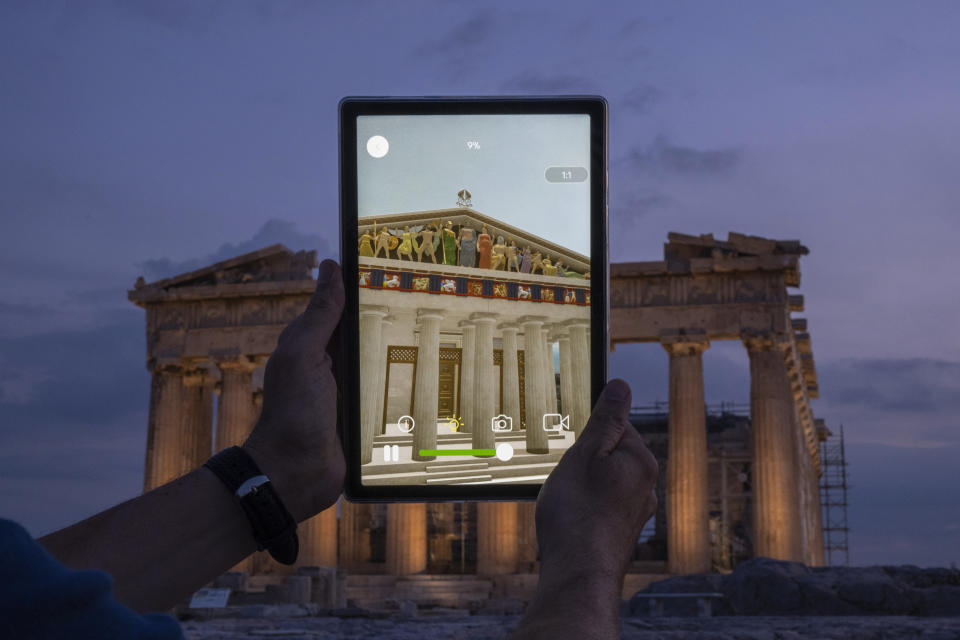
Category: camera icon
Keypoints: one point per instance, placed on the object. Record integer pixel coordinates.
(501, 423)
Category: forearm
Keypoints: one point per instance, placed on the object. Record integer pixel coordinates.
(163, 545)
(573, 605)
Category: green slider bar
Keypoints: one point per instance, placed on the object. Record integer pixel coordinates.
(458, 452)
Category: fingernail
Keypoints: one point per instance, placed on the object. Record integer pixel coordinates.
(327, 267)
(617, 390)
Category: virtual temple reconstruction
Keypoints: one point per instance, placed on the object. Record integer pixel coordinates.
(750, 485)
(459, 315)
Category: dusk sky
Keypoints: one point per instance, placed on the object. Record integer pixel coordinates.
(151, 138)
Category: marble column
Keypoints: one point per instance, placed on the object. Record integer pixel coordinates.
(407, 537)
(484, 381)
(580, 357)
(197, 418)
(354, 533)
(566, 377)
(688, 522)
(318, 539)
(535, 387)
(776, 508)
(527, 534)
(381, 387)
(163, 427)
(497, 539)
(511, 374)
(235, 410)
(427, 383)
(371, 337)
(235, 414)
(549, 371)
(468, 366)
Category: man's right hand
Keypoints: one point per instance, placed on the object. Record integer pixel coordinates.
(590, 513)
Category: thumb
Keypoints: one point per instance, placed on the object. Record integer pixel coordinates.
(608, 421)
(322, 314)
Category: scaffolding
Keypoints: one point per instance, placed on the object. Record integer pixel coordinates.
(833, 499)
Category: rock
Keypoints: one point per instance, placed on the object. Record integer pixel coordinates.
(762, 586)
(408, 609)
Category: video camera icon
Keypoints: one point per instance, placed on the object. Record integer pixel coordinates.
(501, 423)
(555, 422)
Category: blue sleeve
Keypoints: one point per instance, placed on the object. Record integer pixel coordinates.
(41, 598)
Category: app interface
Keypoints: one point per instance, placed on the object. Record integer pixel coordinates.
(474, 255)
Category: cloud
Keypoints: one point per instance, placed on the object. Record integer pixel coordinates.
(665, 157)
(272, 232)
(470, 34)
(633, 204)
(641, 98)
(531, 81)
(902, 385)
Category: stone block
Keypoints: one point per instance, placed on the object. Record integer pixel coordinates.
(298, 589)
(234, 580)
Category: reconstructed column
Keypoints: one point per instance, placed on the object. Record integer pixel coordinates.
(382, 374)
(550, 373)
(511, 374)
(354, 533)
(318, 539)
(776, 508)
(163, 430)
(497, 538)
(484, 381)
(580, 357)
(371, 328)
(407, 536)
(535, 387)
(468, 366)
(427, 383)
(566, 376)
(688, 524)
(197, 419)
(235, 410)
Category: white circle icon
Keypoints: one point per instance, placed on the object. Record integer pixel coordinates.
(405, 424)
(377, 146)
(504, 451)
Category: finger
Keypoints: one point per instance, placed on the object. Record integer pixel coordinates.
(608, 421)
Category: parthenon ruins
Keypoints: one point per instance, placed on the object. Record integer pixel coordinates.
(210, 331)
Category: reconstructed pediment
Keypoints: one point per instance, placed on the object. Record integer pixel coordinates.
(436, 221)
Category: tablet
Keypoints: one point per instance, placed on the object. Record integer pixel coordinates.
(474, 250)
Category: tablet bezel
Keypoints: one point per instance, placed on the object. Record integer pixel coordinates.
(349, 367)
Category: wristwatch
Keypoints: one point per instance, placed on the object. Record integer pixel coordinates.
(274, 529)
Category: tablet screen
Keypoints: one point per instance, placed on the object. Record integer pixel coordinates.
(474, 244)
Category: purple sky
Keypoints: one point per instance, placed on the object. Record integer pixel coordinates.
(150, 138)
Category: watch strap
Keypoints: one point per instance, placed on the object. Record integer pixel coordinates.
(274, 529)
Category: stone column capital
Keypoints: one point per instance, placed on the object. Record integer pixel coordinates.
(467, 324)
(374, 310)
(484, 317)
(389, 319)
(196, 377)
(165, 365)
(237, 363)
(509, 326)
(756, 341)
(429, 314)
(531, 319)
(577, 323)
(684, 343)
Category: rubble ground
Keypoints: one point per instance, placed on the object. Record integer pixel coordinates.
(498, 627)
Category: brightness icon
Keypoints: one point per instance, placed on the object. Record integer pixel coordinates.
(454, 423)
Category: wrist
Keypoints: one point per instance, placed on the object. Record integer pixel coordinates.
(292, 491)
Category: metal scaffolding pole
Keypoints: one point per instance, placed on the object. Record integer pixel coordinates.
(833, 498)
